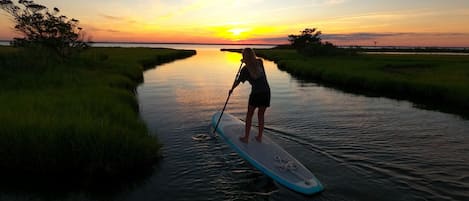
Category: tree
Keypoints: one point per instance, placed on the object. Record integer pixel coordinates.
(42, 28)
(307, 38)
(309, 43)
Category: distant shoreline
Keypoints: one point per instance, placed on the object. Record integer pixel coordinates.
(181, 43)
(191, 43)
(257, 44)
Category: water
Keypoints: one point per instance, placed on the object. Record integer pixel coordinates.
(360, 148)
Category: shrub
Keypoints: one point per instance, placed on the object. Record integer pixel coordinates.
(45, 30)
(309, 43)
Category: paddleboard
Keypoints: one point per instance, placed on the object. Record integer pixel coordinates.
(267, 156)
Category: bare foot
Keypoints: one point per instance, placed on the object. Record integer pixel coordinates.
(259, 138)
(244, 139)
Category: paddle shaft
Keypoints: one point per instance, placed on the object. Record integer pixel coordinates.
(227, 98)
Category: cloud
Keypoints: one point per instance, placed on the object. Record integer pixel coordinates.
(275, 39)
(197, 5)
(359, 36)
(110, 30)
(334, 2)
(118, 19)
(374, 36)
(327, 2)
(96, 29)
(266, 40)
(449, 39)
(110, 17)
(341, 37)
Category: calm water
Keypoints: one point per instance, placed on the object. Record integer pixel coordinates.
(360, 148)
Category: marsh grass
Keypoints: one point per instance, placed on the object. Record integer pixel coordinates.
(76, 119)
(434, 81)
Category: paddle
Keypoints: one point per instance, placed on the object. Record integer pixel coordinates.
(228, 98)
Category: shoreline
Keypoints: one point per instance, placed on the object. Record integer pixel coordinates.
(368, 48)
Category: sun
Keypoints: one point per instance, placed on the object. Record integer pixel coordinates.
(237, 34)
(231, 32)
(237, 31)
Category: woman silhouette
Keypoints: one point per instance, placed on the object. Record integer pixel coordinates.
(254, 73)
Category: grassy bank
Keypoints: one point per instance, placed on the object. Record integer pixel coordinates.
(436, 81)
(78, 118)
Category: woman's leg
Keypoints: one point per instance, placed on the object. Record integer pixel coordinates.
(260, 118)
(247, 128)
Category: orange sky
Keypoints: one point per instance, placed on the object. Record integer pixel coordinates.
(343, 22)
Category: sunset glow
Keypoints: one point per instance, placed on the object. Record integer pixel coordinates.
(343, 22)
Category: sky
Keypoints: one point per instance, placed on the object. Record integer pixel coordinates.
(342, 22)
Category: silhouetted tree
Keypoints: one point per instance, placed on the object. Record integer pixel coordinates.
(307, 37)
(309, 43)
(44, 29)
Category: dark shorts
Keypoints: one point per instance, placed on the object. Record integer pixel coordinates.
(260, 99)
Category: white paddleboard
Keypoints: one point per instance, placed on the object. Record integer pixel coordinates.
(267, 156)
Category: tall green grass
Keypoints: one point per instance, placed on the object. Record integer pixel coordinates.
(76, 119)
(435, 81)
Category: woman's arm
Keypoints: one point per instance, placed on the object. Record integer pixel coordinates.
(235, 84)
(241, 78)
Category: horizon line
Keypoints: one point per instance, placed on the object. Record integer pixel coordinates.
(177, 43)
(263, 44)
(188, 43)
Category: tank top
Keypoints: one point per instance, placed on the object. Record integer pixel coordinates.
(259, 85)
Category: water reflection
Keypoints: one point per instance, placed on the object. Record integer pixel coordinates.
(196, 83)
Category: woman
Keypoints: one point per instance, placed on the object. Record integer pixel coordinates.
(259, 98)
